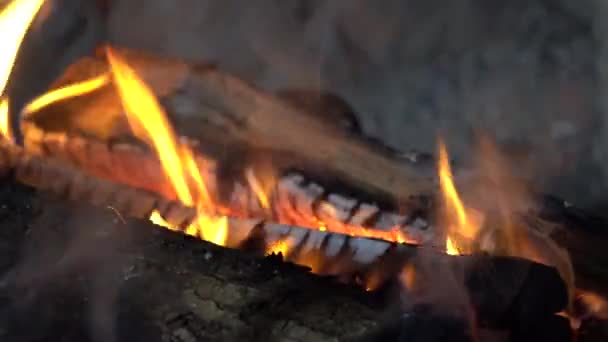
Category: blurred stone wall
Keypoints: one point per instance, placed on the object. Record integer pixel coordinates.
(523, 71)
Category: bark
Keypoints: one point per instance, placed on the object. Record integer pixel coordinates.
(174, 288)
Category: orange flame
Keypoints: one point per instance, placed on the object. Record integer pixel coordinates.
(459, 223)
(149, 122)
(282, 246)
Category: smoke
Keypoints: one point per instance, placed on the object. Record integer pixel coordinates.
(522, 71)
(72, 252)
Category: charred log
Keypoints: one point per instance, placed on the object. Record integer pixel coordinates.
(195, 290)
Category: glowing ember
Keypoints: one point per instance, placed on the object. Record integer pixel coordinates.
(149, 122)
(282, 246)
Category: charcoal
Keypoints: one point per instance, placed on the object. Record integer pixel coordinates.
(551, 328)
(509, 291)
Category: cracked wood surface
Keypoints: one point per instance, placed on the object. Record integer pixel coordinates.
(171, 287)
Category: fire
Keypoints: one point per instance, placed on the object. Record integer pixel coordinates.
(66, 92)
(450, 249)
(459, 223)
(282, 246)
(4, 126)
(15, 19)
(257, 188)
(149, 122)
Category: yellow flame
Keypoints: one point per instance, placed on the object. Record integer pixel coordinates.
(257, 188)
(455, 209)
(66, 92)
(4, 126)
(149, 122)
(15, 20)
(282, 246)
(144, 112)
(450, 249)
(157, 219)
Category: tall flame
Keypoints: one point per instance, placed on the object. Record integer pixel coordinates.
(459, 222)
(4, 126)
(149, 122)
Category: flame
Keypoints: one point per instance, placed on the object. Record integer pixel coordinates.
(257, 188)
(149, 122)
(66, 92)
(450, 249)
(15, 20)
(282, 246)
(459, 223)
(4, 126)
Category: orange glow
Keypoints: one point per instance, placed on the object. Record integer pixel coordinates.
(157, 219)
(149, 122)
(595, 304)
(66, 92)
(408, 276)
(459, 223)
(15, 20)
(282, 246)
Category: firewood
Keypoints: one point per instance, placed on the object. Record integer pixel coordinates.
(298, 201)
(326, 253)
(227, 115)
(226, 119)
(292, 199)
(195, 290)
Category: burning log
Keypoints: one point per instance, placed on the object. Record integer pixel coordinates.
(341, 254)
(195, 290)
(200, 104)
(295, 201)
(228, 117)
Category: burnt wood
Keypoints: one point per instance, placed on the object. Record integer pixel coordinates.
(184, 289)
(227, 119)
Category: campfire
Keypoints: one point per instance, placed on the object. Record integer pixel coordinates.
(205, 155)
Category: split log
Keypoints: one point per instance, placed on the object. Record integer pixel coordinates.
(291, 200)
(231, 119)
